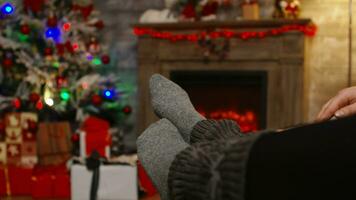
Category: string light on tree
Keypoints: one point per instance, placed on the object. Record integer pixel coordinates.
(65, 95)
(49, 101)
(7, 8)
(66, 26)
(53, 33)
(109, 94)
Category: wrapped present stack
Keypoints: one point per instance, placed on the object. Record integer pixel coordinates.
(24, 169)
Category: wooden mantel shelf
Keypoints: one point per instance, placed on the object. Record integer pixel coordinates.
(266, 23)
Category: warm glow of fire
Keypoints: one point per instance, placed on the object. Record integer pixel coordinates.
(247, 121)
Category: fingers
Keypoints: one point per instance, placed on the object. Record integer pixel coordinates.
(345, 98)
(346, 111)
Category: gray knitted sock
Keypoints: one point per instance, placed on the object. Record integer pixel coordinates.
(172, 102)
(157, 147)
(213, 170)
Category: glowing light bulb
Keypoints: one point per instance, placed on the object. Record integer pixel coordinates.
(66, 26)
(109, 94)
(65, 95)
(7, 9)
(49, 101)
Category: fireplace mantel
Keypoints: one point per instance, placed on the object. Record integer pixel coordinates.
(266, 23)
(282, 57)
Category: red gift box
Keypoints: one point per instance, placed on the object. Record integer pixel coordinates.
(2, 182)
(97, 137)
(51, 182)
(145, 182)
(15, 181)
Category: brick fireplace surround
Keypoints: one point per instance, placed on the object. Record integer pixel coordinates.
(280, 57)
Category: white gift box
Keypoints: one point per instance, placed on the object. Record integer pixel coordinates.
(116, 182)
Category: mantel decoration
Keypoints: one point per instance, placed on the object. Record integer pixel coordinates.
(288, 9)
(218, 42)
(196, 10)
(308, 30)
(250, 9)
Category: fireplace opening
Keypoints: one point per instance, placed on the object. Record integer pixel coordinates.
(237, 95)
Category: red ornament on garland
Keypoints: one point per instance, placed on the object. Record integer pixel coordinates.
(34, 97)
(97, 100)
(7, 63)
(17, 103)
(25, 29)
(127, 110)
(105, 59)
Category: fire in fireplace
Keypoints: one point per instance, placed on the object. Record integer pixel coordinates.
(237, 95)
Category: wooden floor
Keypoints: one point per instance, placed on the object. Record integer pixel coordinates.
(29, 198)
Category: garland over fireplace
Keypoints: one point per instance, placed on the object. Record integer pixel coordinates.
(269, 91)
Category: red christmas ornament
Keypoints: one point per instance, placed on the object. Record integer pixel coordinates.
(99, 24)
(105, 59)
(97, 100)
(25, 29)
(7, 63)
(75, 46)
(16, 103)
(33, 5)
(189, 11)
(210, 8)
(52, 21)
(39, 105)
(48, 51)
(60, 49)
(34, 97)
(84, 10)
(60, 81)
(69, 47)
(75, 137)
(127, 109)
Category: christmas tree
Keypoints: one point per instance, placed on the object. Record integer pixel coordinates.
(50, 58)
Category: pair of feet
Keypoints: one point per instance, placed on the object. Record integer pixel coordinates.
(179, 127)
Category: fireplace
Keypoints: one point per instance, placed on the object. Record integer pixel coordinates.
(237, 95)
(260, 82)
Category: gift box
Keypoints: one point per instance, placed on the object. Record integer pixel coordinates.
(53, 143)
(251, 10)
(95, 136)
(15, 181)
(50, 182)
(116, 182)
(20, 140)
(3, 153)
